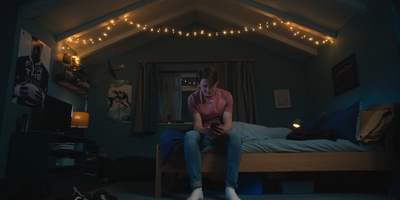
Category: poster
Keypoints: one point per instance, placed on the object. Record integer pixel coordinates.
(345, 75)
(119, 101)
(32, 71)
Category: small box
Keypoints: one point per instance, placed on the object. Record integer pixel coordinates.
(65, 161)
(78, 147)
(298, 187)
(250, 184)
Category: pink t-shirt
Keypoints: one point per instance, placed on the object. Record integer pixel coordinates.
(210, 109)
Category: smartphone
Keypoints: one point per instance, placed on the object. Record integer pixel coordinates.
(214, 124)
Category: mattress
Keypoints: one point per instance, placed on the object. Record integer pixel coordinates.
(282, 145)
(261, 139)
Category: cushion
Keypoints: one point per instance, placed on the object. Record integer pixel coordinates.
(343, 121)
(311, 122)
(374, 124)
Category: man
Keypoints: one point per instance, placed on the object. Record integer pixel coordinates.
(211, 105)
(31, 77)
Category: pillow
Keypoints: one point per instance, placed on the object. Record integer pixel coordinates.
(374, 124)
(311, 122)
(343, 121)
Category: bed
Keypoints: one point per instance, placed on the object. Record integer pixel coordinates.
(377, 128)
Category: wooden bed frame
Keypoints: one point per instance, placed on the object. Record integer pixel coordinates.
(296, 162)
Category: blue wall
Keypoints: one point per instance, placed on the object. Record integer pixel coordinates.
(10, 111)
(373, 39)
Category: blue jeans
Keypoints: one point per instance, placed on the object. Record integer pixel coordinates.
(231, 142)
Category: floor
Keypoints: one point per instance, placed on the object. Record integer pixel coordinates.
(333, 185)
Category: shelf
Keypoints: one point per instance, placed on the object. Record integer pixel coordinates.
(65, 167)
(76, 81)
(32, 153)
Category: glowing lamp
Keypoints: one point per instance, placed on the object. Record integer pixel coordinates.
(297, 123)
(80, 120)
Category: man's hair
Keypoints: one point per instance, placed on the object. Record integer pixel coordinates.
(208, 73)
(37, 42)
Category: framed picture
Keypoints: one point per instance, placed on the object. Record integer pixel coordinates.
(345, 75)
(282, 99)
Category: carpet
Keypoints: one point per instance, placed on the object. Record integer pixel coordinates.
(144, 190)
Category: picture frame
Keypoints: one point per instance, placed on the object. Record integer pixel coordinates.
(345, 75)
(282, 98)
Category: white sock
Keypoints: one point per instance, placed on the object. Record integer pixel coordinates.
(197, 194)
(230, 194)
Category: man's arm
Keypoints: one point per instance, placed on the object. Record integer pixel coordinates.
(198, 124)
(226, 126)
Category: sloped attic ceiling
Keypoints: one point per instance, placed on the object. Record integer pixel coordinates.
(293, 28)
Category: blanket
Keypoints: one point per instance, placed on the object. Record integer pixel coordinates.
(303, 133)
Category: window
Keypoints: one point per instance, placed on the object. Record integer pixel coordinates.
(176, 87)
(188, 86)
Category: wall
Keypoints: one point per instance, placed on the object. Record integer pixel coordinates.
(373, 38)
(271, 72)
(12, 111)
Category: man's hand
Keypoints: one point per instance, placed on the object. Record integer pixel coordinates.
(30, 93)
(217, 130)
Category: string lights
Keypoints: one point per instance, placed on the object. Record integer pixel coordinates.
(274, 24)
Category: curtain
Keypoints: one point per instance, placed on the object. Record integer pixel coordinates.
(171, 97)
(243, 92)
(145, 118)
(222, 74)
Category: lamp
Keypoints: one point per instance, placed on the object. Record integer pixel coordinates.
(80, 120)
(297, 122)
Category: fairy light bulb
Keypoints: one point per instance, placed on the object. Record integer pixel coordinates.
(290, 27)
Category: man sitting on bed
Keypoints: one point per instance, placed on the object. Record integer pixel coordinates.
(207, 106)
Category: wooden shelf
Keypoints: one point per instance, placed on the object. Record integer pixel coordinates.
(33, 153)
(76, 81)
